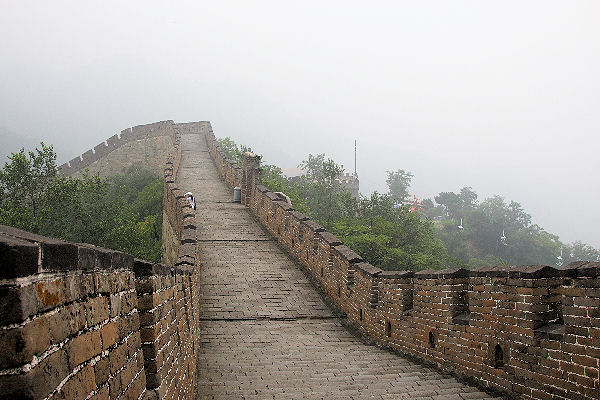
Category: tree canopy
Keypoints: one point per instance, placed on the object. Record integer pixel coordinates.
(387, 234)
(398, 183)
(494, 232)
(123, 212)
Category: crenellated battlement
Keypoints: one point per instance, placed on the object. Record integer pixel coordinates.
(139, 132)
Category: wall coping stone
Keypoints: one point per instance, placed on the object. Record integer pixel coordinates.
(368, 269)
(397, 274)
(313, 226)
(298, 215)
(283, 204)
(329, 238)
(56, 255)
(272, 196)
(121, 260)
(443, 273)
(17, 257)
(584, 269)
(93, 257)
(517, 271)
(347, 253)
(142, 268)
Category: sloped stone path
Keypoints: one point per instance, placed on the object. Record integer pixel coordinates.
(265, 332)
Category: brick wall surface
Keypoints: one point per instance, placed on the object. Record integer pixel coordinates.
(528, 331)
(78, 321)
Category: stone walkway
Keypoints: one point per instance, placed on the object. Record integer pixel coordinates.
(266, 333)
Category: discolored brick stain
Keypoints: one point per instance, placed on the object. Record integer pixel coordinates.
(47, 298)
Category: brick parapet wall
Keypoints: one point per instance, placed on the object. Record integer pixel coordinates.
(70, 326)
(169, 306)
(79, 321)
(527, 331)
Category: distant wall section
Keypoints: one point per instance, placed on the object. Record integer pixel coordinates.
(178, 228)
(148, 145)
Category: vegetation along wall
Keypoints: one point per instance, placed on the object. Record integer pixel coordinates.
(79, 321)
(527, 331)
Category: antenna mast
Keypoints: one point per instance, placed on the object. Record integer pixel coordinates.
(355, 158)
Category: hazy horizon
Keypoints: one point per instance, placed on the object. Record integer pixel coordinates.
(503, 98)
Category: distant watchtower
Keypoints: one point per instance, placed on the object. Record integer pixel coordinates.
(350, 183)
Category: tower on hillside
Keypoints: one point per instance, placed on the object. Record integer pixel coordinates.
(350, 183)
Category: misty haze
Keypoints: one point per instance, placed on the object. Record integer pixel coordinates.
(308, 200)
(472, 95)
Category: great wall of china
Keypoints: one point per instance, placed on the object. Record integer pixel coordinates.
(83, 322)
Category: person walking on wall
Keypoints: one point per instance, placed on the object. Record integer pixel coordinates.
(190, 197)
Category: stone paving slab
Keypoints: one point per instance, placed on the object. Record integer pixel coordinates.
(310, 359)
(241, 278)
(227, 221)
(265, 331)
(254, 280)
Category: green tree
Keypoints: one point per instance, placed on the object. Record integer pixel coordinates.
(228, 146)
(123, 213)
(322, 190)
(232, 150)
(332, 186)
(431, 210)
(378, 205)
(451, 202)
(313, 166)
(398, 183)
(427, 204)
(580, 251)
(23, 182)
(467, 197)
(275, 181)
(392, 238)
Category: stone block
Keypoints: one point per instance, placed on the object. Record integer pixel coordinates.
(109, 334)
(80, 385)
(102, 370)
(17, 257)
(83, 347)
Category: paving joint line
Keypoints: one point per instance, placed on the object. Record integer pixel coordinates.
(291, 319)
(233, 240)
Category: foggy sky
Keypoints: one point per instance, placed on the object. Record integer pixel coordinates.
(500, 96)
